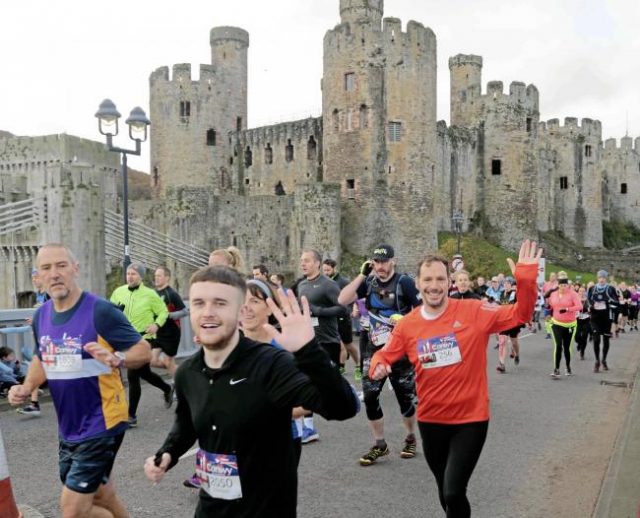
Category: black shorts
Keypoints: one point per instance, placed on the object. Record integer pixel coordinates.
(85, 465)
(601, 326)
(511, 333)
(345, 330)
(167, 346)
(624, 310)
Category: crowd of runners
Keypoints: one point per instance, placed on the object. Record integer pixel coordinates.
(277, 351)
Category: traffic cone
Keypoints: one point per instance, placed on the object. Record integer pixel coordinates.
(8, 506)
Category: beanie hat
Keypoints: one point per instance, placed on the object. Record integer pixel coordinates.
(603, 273)
(138, 267)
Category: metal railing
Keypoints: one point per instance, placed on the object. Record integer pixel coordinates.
(149, 245)
(22, 215)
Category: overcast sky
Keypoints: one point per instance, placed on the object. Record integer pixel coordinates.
(59, 59)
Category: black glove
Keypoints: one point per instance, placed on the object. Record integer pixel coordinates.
(562, 311)
(366, 268)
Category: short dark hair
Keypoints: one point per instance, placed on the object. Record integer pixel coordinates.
(165, 269)
(317, 256)
(263, 269)
(6, 351)
(429, 259)
(220, 275)
(330, 262)
(279, 276)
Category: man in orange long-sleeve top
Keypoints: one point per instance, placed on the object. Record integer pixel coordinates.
(446, 341)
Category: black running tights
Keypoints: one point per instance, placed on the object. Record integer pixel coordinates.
(452, 451)
(605, 346)
(135, 391)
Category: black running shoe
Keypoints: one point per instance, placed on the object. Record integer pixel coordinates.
(373, 455)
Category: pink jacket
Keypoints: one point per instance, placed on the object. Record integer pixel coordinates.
(570, 301)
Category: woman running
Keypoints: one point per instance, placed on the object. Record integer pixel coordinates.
(565, 304)
(508, 297)
(582, 332)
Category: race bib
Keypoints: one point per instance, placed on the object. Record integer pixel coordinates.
(315, 322)
(364, 322)
(379, 330)
(218, 474)
(600, 305)
(634, 302)
(439, 351)
(61, 355)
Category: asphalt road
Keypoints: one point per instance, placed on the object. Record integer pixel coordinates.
(547, 451)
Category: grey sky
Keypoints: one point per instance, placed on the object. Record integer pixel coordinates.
(59, 59)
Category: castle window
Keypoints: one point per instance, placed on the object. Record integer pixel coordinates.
(336, 120)
(564, 182)
(351, 183)
(279, 189)
(311, 148)
(394, 131)
(587, 150)
(185, 110)
(268, 155)
(238, 123)
(211, 137)
(156, 177)
(496, 167)
(248, 157)
(350, 82)
(529, 124)
(349, 119)
(623, 188)
(288, 151)
(351, 189)
(247, 181)
(364, 116)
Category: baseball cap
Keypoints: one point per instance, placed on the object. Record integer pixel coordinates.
(383, 253)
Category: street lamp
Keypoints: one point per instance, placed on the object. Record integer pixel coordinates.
(138, 122)
(457, 219)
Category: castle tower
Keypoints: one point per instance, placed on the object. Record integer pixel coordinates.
(192, 118)
(353, 11)
(466, 76)
(379, 119)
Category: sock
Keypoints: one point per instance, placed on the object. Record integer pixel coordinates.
(308, 422)
(411, 438)
(35, 404)
(381, 443)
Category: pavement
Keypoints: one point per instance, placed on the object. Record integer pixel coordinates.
(541, 430)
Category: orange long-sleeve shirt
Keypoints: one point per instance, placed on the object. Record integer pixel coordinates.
(449, 353)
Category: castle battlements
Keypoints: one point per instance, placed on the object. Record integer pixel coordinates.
(587, 127)
(519, 93)
(626, 144)
(225, 34)
(416, 33)
(181, 73)
(281, 132)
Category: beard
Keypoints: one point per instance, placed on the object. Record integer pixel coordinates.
(437, 305)
(221, 342)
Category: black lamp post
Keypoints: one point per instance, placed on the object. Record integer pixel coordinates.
(457, 219)
(138, 122)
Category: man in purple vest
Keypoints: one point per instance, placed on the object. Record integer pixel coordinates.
(80, 344)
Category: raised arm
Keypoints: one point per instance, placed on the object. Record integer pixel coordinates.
(349, 293)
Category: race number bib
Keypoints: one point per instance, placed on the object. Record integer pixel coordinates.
(379, 330)
(61, 355)
(439, 351)
(600, 305)
(218, 474)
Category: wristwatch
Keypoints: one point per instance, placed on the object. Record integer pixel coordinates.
(121, 357)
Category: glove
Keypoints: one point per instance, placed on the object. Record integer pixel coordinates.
(563, 310)
(366, 268)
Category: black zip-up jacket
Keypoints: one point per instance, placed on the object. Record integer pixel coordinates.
(244, 409)
(466, 295)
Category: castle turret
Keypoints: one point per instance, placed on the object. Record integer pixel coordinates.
(466, 78)
(361, 10)
(192, 118)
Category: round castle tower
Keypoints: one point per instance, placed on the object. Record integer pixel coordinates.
(355, 10)
(192, 118)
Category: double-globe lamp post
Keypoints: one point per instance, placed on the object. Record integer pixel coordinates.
(138, 123)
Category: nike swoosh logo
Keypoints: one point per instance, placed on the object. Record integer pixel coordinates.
(235, 382)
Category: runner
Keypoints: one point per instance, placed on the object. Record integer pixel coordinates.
(463, 284)
(388, 296)
(81, 342)
(634, 301)
(260, 272)
(345, 329)
(446, 340)
(625, 298)
(165, 346)
(322, 294)
(507, 297)
(565, 305)
(602, 298)
(232, 387)
(229, 256)
(582, 332)
(147, 313)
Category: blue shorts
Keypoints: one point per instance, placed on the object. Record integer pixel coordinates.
(85, 465)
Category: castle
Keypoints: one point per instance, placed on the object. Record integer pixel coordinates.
(375, 166)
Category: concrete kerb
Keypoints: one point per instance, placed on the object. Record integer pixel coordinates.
(620, 493)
